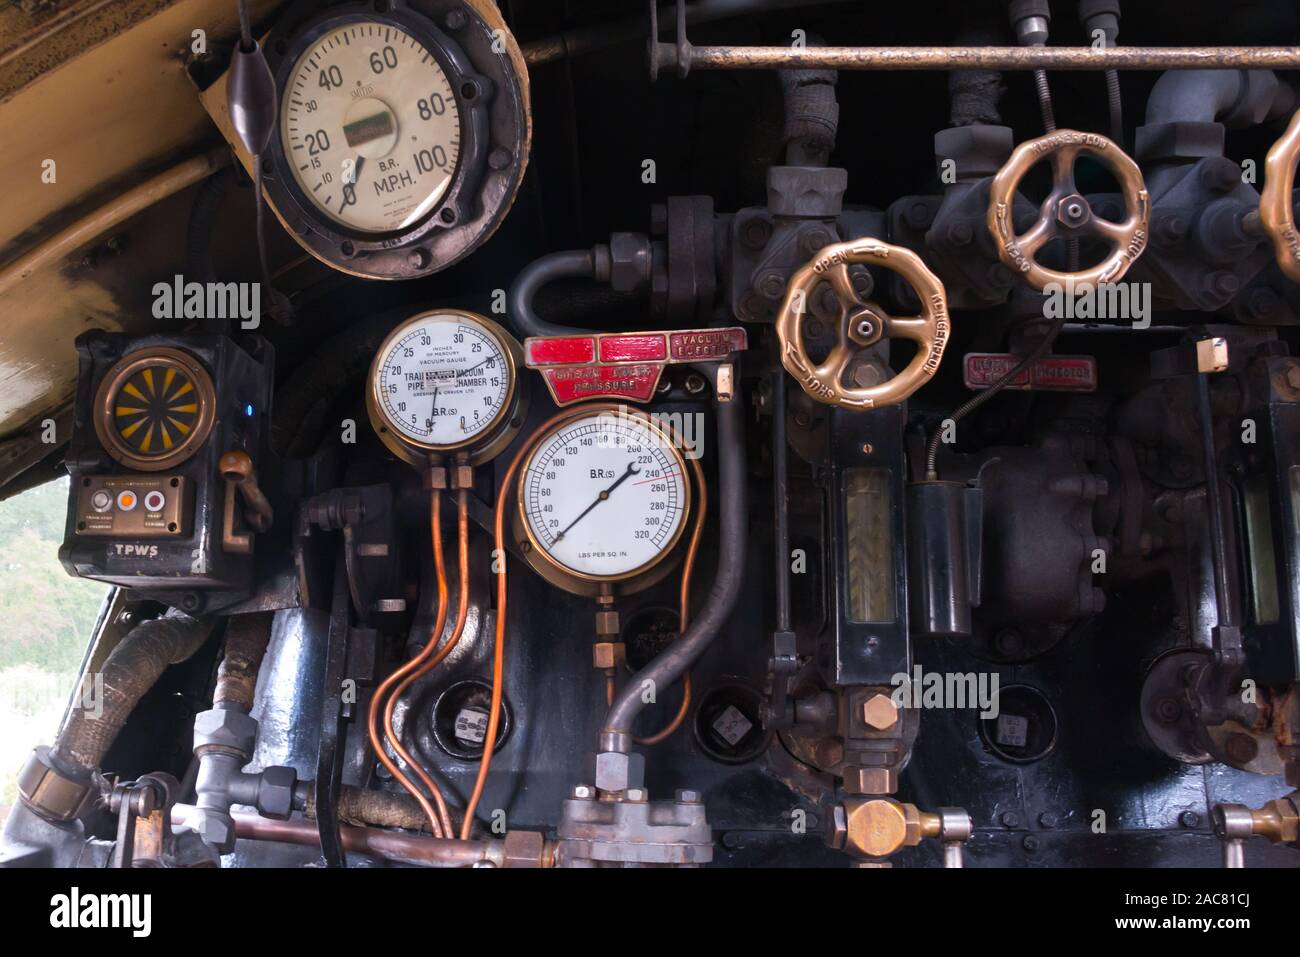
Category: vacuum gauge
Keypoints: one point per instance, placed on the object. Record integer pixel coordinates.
(442, 382)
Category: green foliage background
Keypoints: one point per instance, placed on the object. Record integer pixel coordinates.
(46, 617)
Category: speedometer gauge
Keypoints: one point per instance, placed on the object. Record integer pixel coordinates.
(444, 381)
(402, 131)
(372, 127)
(604, 496)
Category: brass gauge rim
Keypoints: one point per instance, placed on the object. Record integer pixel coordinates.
(492, 439)
(121, 374)
(643, 575)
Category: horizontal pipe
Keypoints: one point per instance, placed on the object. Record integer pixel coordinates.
(981, 58)
(387, 845)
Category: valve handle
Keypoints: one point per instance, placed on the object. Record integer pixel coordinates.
(1276, 211)
(1065, 213)
(863, 323)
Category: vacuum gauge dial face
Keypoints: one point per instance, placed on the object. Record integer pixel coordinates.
(370, 127)
(443, 380)
(604, 496)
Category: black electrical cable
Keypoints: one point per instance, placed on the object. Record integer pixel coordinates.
(979, 398)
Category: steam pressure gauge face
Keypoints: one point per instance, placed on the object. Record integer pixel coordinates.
(604, 496)
(444, 381)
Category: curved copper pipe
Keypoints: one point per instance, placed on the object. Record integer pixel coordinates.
(435, 822)
(498, 653)
(462, 611)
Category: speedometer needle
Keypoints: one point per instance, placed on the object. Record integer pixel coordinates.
(604, 495)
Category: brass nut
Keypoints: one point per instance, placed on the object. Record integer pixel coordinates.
(607, 654)
(880, 712)
(523, 848)
(878, 827)
(1278, 820)
(607, 623)
(462, 476)
(858, 780)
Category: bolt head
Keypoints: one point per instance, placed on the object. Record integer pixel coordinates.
(1073, 211)
(583, 792)
(217, 830)
(636, 795)
(880, 711)
(685, 796)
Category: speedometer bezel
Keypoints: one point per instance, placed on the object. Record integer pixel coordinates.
(410, 252)
(570, 579)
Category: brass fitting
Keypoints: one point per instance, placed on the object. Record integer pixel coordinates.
(880, 712)
(1278, 821)
(876, 828)
(607, 654)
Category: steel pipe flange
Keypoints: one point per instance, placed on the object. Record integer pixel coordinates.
(1065, 213)
(863, 323)
(1276, 210)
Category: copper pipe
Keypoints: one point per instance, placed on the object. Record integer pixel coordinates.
(980, 58)
(684, 606)
(388, 845)
(462, 612)
(498, 652)
(440, 621)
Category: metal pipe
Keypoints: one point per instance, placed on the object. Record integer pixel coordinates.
(674, 660)
(116, 211)
(571, 264)
(387, 845)
(780, 501)
(1224, 597)
(983, 58)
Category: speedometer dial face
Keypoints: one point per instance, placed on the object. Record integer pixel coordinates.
(604, 496)
(370, 127)
(442, 380)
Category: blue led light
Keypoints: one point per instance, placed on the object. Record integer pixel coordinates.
(248, 410)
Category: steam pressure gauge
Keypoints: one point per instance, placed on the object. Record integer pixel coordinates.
(445, 382)
(603, 497)
(402, 132)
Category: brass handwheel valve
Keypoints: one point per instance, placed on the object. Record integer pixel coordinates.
(1065, 213)
(1276, 211)
(863, 324)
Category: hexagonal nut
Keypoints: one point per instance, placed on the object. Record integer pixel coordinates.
(688, 796)
(227, 728)
(275, 792)
(859, 780)
(629, 261)
(880, 711)
(837, 828)
(607, 654)
(583, 792)
(877, 827)
(216, 828)
(523, 848)
(616, 771)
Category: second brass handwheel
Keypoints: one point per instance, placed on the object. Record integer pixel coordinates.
(1065, 213)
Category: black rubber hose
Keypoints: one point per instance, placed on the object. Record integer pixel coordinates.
(671, 663)
(130, 670)
(572, 264)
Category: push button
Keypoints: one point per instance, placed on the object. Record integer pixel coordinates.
(101, 501)
(127, 500)
(154, 501)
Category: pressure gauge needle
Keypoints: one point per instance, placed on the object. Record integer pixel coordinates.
(603, 496)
